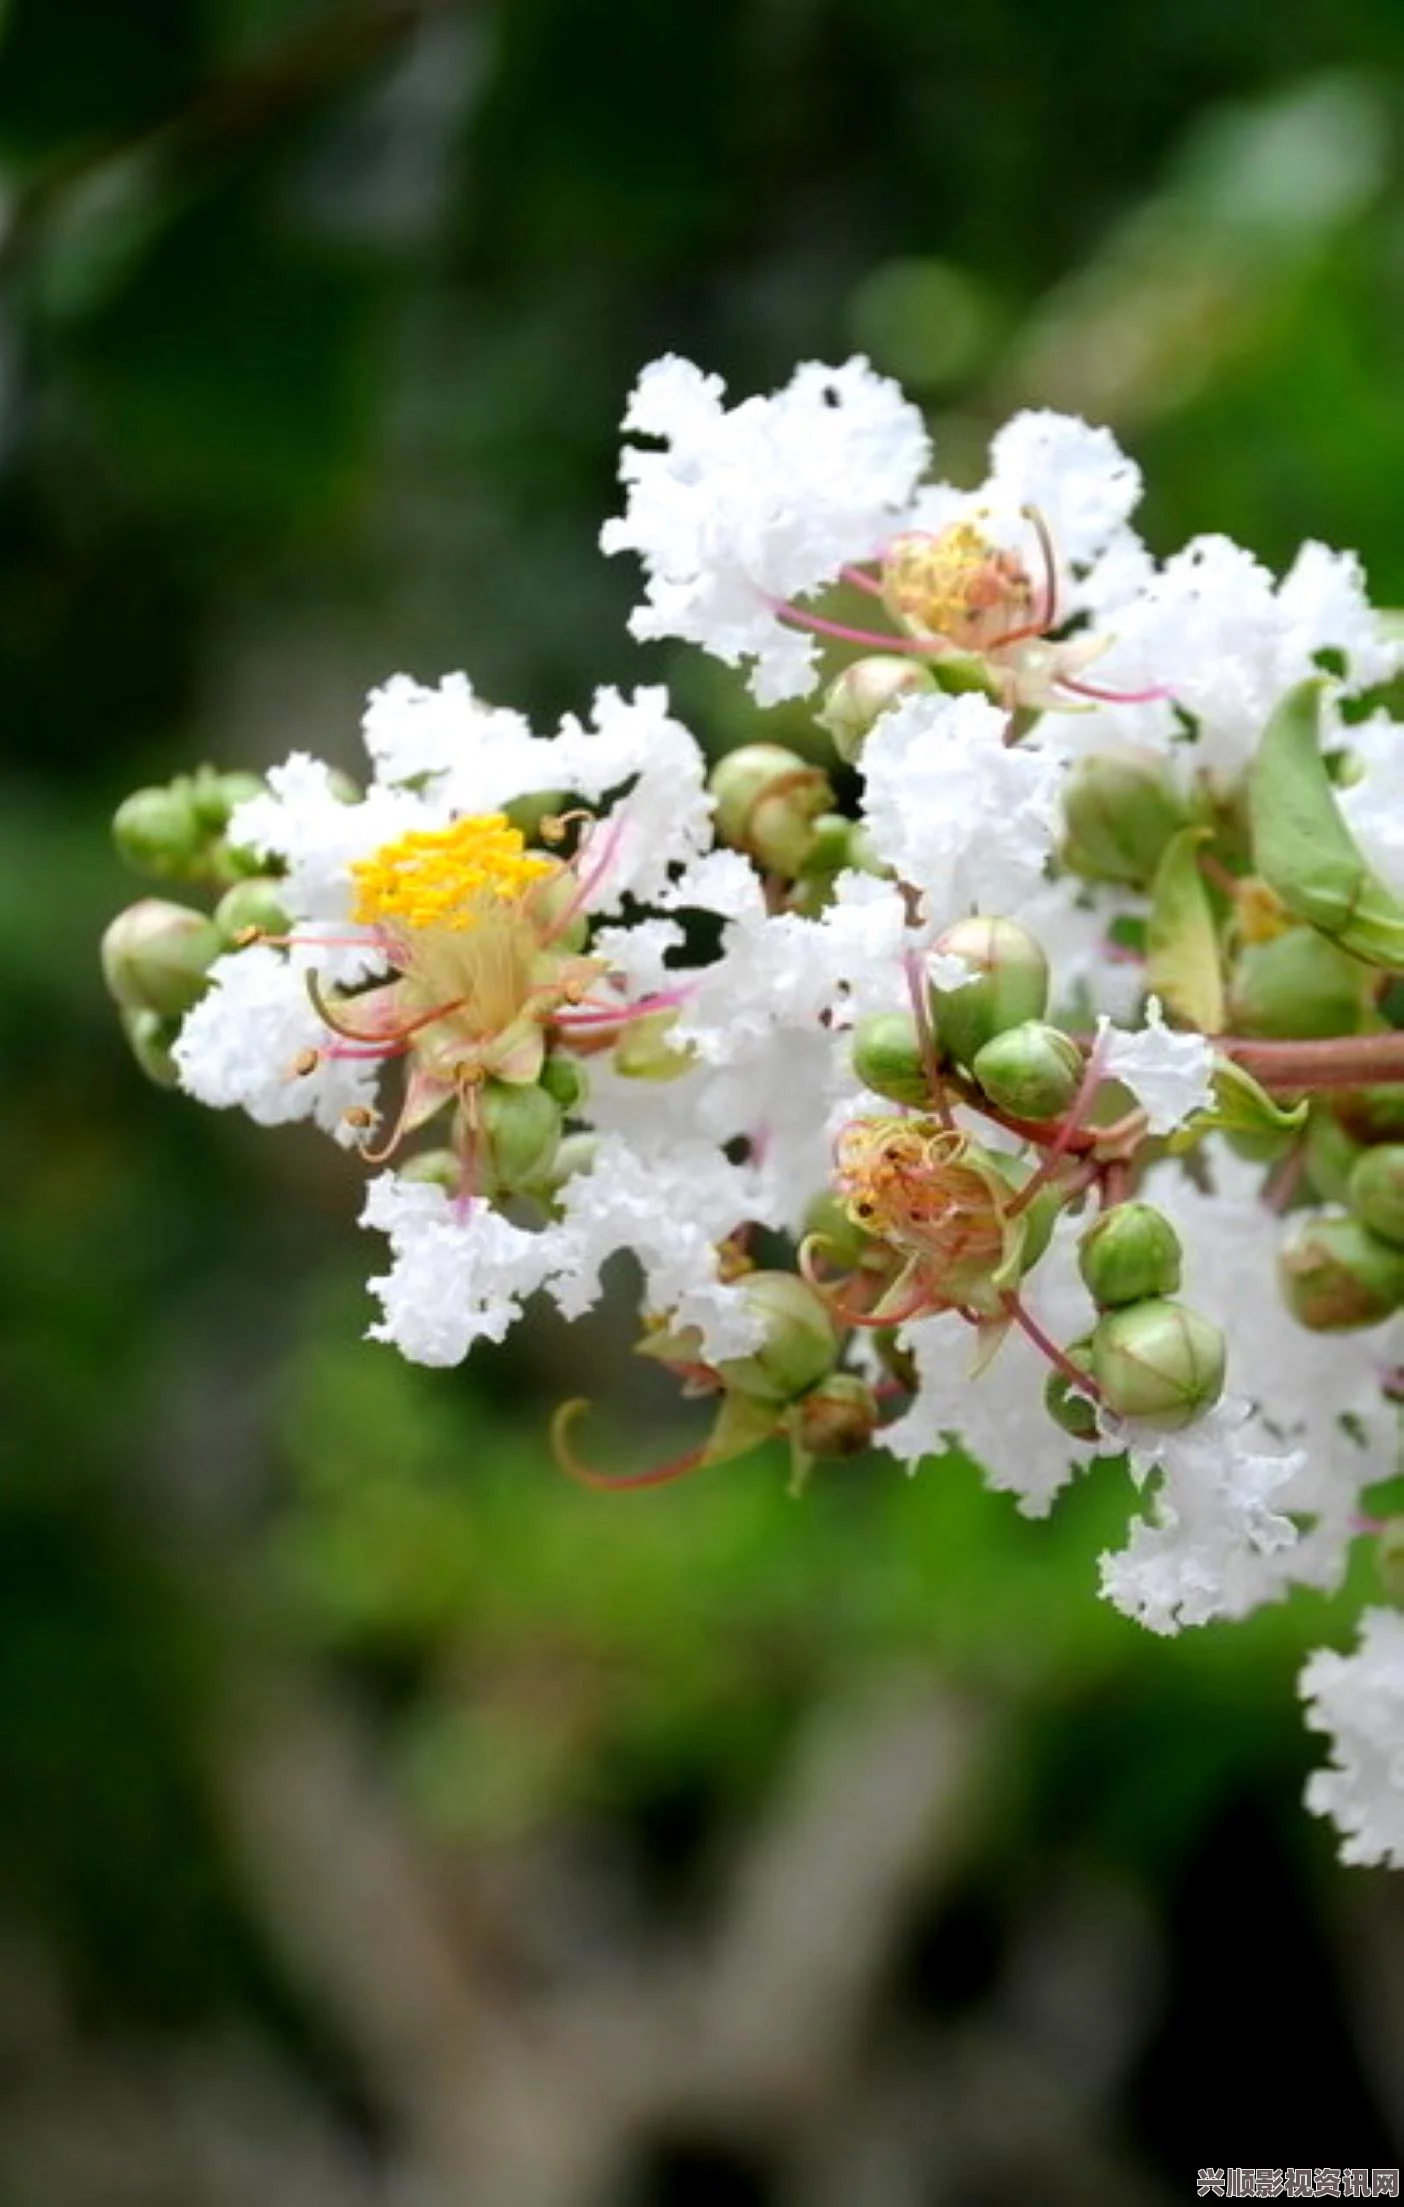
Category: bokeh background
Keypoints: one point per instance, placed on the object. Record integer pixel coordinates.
(384, 1822)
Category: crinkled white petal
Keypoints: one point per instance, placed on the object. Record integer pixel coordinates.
(242, 1045)
(965, 818)
(1358, 1700)
(319, 836)
(758, 504)
(458, 1273)
(1169, 1074)
(665, 820)
(1219, 1543)
(1076, 476)
(1373, 806)
(669, 1209)
(414, 732)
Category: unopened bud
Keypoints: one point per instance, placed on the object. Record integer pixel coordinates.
(828, 853)
(1158, 1361)
(1129, 1253)
(158, 831)
(520, 1132)
(800, 1342)
(887, 1057)
(1337, 1275)
(1076, 1413)
(1121, 811)
(767, 801)
(859, 697)
(155, 956)
(1032, 1071)
(251, 908)
(1376, 1193)
(151, 1037)
(215, 796)
(646, 1050)
(1009, 984)
(1297, 986)
(438, 1168)
(564, 1079)
(1371, 1114)
(838, 1417)
(1330, 1155)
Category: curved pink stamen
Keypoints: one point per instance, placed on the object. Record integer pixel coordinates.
(1157, 692)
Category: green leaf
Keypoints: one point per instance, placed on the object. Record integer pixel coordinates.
(1183, 967)
(1241, 1106)
(1302, 846)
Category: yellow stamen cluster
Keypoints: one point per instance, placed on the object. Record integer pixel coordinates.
(447, 877)
(957, 585)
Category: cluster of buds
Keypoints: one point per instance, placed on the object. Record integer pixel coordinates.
(1079, 986)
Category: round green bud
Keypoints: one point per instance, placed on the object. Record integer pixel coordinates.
(837, 1418)
(800, 1343)
(863, 854)
(155, 956)
(828, 852)
(229, 863)
(1009, 984)
(214, 796)
(858, 697)
(150, 1037)
(251, 906)
(1330, 1155)
(1129, 1253)
(887, 1058)
(565, 1079)
(1297, 986)
(1032, 1071)
(519, 1131)
(1158, 1361)
(767, 802)
(1121, 810)
(1336, 1275)
(1376, 1193)
(158, 831)
(1371, 1114)
(1074, 1412)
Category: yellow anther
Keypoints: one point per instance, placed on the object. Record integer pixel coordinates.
(447, 877)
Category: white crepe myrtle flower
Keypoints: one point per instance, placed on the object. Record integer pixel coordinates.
(745, 509)
(966, 819)
(254, 1043)
(459, 1270)
(1168, 1073)
(1358, 1701)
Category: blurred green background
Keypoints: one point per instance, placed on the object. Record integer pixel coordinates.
(383, 1821)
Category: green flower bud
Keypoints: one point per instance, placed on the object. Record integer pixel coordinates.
(519, 1131)
(1330, 1155)
(438, 1168)
(155, 956)
(230, 863)
(800, 1342)
(1010, 984)
(576, 1154)
(1128, 1254)
(1158, 1361)
(214, 796)
(1075, 1413)
(566, 1080)
(1336, 1275)
(158, 831)
(1377, 1190)
(837, 1418)
(887, 1058)
(859, 697)
(1371, 1114)
(151, 1037)
(251, 905)
(1121, 811)
(1297, 986)
(1032, 1071)
(767, 801)
(828, 853)
(863, 854)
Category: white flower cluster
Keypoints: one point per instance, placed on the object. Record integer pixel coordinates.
(718, 1082)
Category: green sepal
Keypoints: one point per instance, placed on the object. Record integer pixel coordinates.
(1183, 966)
(741, 1424)
(1241, 1106)
(1302, 846)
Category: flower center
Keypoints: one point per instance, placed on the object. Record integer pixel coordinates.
(447, 877)
(957, 585)
(906, 1180)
